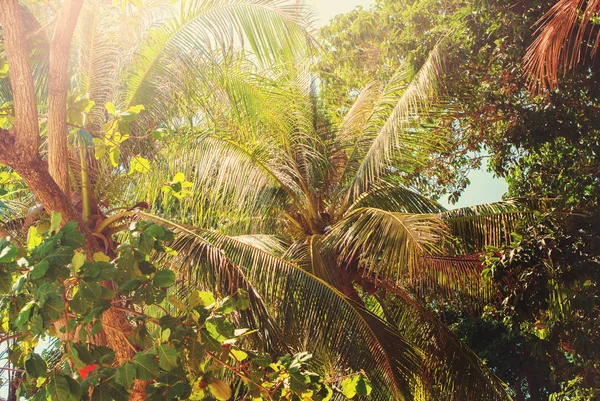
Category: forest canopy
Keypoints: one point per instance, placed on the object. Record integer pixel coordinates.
(210, 199)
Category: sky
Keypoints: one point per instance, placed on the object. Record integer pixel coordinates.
(484, 186)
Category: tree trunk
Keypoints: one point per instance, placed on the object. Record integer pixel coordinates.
(19, 148)
(26, 129)
(58, 87)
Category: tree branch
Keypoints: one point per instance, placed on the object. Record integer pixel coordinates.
(58, 86)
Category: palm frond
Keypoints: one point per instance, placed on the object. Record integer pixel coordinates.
(201, 264)
(267, 243)
(488, 224)
(312, 311)
(311, 255)
(230, 180)
(455, 372)
(396, 198)
(565, 36)
(99, 50)
(388, 135)
(271, 27)
(386, 243)
(454, 279)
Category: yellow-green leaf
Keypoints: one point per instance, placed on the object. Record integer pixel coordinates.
(220, 390)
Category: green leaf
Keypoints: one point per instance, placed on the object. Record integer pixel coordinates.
(363, 387)
(55, 220)
(111, 108)
(96, 327)
(350, 386)
(90, 290)
(73, 239)
(58, 389)
(180, 390)
(201, 298)
(179, 177)
(167, 356)
(40, 269)
(24, 314)
(139, 164)
(114, 155)
(238, 354)
(102, 393)
(155, 231)
(100, 257)
(146, 366)
(61, 256)
(164, 278)
(54, 307)
(137, 109)
(33, 238)
(220, 390)
(35, 366)
(9, 253)
(77, 261)
(126, 374)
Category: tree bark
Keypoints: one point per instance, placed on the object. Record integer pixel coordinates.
(27, 134)
(58, 87)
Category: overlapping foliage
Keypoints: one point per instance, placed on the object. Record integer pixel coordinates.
(186, 348)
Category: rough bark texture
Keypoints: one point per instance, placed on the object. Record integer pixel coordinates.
(25, 104)
(58, 86)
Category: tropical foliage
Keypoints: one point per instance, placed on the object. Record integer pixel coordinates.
(546, 146)
(218, 184)
(183, 352)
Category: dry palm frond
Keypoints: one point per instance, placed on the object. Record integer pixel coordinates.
(565, 36)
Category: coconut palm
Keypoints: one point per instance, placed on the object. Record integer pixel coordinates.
(314, 221)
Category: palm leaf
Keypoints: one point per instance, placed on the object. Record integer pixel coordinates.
(271, 27)
(455, 372)
(489, 224)
(309, 308)
(454, 279)
(388, 136)
(564, 33)
(99, 48)
(386, 243)
(396, 198)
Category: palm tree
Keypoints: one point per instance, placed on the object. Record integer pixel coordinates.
(311, 220)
